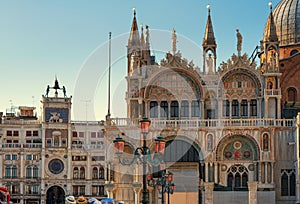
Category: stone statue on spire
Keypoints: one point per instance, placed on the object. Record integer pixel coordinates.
(239, 42)
(174, 40)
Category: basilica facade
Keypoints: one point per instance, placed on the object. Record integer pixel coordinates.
(231, 129)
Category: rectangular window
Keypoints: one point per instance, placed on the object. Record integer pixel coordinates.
(98, 190)
(7, 157)
(100, 134)
(16, 133)
(75, 190)
(28, 133)
(93, 134)
(98, 158)
(14, 157)
(8, 133)
(82, 190)
(48, 142)
(75, 134)
(35, 133)
(28, 157)
(81, 134)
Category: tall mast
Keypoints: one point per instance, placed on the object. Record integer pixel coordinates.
(109, 69)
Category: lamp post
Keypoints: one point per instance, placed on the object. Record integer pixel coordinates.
(142, 153)
(164, 184)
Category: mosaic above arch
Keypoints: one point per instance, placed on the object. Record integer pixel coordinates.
(237, 148)
(240, 81)
(174, 81)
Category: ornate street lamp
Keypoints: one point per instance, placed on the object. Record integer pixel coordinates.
(163, 184)
(142, 153)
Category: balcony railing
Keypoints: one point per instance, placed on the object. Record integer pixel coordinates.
(272, 92)
(11, 145)
(22, 122)
(200, 123)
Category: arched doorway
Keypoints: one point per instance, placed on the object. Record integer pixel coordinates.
(183, 158)
(55, 195)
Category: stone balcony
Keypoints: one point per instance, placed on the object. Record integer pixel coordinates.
(272, 92)
(211, 123)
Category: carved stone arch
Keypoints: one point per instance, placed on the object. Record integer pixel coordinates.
(245, 71)
(237, 147)
(195, 80)
(55, 194)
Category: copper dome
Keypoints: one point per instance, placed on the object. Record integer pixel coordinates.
(287, 20)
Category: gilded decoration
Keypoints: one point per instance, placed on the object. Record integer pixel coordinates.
(240, 81)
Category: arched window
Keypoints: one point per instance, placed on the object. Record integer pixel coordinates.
(75, 173)
(293, 52)
(226, 108)
(82, 173)
(184, 112)
(237, 177)
(209, 141)
(95, 173)
(35, 172)
(28, 172)
(284, 184)
(153, 109)
(265, 142)
(56, 141)
(7, 172)
(164, 109)
(253, 107)
(174, 109)
(288, 182)
(101, 172)
(244, 108)
(292, 94)
(235, 108)
(195, 109)
(14, 171)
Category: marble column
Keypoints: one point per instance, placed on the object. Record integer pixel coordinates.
(209, 192)
(136, 188)
(252, 193)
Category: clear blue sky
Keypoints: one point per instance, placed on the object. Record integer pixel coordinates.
(41, 39)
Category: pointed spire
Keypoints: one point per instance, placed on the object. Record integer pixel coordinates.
(271, 35)
(174, 41)
(142, 39)
(209, 37)
(134, 38)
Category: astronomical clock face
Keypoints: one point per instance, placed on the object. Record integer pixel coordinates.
(56, 166)
(56, 115)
